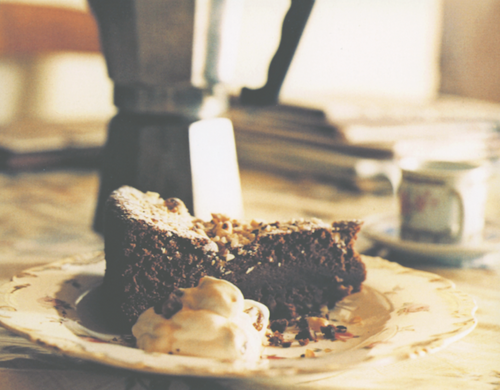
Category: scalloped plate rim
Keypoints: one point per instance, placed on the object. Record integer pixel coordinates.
(267, 370)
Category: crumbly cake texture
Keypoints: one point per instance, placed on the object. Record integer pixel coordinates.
(153, 246)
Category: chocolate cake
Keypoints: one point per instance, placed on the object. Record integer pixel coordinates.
(153, 246)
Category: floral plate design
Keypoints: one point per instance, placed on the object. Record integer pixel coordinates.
(401, 313)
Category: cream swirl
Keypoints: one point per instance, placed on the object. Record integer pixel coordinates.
(213, 320)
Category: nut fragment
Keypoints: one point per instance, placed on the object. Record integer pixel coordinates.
(227, 226)
(310, 353)
(316, 323)
(175, 205)
(276, 339)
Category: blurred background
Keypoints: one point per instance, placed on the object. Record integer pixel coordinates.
(360, 66)
(366, 76)
(389, 49)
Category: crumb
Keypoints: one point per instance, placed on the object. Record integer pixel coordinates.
(341, 329)
(302, 323)
(276, 339)
(316, 323)
(306, 334)
(328, 332)
(279, 325)
(310, 353)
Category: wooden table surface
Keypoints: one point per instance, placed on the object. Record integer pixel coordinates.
(47, 215)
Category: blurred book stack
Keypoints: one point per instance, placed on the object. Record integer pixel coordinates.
(357, 142)
(354, 143)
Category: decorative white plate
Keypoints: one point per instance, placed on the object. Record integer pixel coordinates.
(401, 313)
(384, 230)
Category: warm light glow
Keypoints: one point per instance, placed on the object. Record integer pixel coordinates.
(74, 87)
(214, 168)
(74, 4)
(366, 48)
(382, 49)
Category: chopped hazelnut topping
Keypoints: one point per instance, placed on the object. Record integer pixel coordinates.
(175, 205)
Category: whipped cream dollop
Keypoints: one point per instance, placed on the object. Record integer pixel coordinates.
(211, 320)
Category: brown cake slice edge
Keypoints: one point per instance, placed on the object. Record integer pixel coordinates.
(153, 246)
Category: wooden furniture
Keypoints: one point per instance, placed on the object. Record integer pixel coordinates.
(30, 33)
(27, 30)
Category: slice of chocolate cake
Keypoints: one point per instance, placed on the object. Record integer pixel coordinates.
(153, 246)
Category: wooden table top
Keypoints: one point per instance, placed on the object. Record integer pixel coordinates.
(48, 215)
